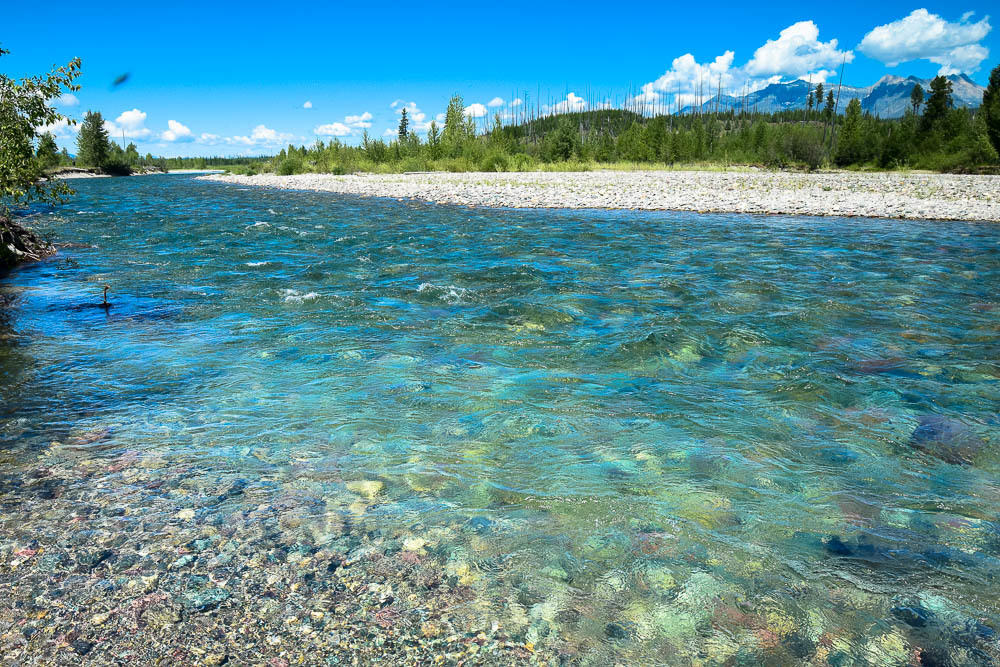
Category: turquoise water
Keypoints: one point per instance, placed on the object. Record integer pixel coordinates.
(650, 437)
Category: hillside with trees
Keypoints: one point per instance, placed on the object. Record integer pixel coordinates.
(933, 134)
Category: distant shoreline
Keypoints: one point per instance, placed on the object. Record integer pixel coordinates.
(896, 195)
(70, 173)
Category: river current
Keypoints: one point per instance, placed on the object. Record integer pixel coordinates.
(640, 437)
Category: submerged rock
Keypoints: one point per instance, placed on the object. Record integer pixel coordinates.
(946, 438)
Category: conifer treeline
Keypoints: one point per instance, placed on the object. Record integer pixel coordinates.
(932, 134)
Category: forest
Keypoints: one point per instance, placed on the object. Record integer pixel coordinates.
(933, 135)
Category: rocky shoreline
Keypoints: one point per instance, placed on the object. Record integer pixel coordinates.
(18, 244)
(849, 194)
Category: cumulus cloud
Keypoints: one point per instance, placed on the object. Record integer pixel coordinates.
(130, 123)
(495, 102)
(925, 36)
(60, 129)
(573, 102)
(686, 77)
(307, 105)
(475, 110)
(796, 52)
(176, 132)
(516, 102)
(350, 125)
(418, 119)
(67, 100)
(261, 136)
(332, 130)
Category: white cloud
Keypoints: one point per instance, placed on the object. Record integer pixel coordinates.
(176, 132)
(261, 136)
(307, 105)
(475, 110)
(207, 138)
(418, 119)
(350, 125)
(333, 130)
(389, 132)
(573, 102)
(60, 129)
(796, 52)
(360, 122)
(926, 36)
(516, 102)
(130, 123)
(687, 78)
(67, 100)
(495, 102)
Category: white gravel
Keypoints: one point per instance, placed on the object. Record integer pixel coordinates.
(879, 195)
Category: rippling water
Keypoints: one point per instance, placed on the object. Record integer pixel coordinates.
(654, 437)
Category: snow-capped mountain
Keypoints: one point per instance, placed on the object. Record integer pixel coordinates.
(889, 97)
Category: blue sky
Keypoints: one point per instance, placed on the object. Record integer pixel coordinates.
(218, 78)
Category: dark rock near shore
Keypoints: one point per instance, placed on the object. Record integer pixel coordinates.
(18, 244)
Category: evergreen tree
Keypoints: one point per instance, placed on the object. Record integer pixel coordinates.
(819, 94)
(851, 146)
(916, 98)
(809, 101)
(434, 141)
(92, 142)
(404, 126)
(990, 110)
(48, 152)
(455, 129)
(132, 155)
(64, 159)
(938, 103)
(828, 109)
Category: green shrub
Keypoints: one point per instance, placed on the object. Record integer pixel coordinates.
(289, 166)
(495, 161)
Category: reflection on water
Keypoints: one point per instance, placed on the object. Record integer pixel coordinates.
(652, 437)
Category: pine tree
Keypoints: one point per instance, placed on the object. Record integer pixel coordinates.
(809, 101)
(851, 148)
(404, 125)
(938, 103)
(916, 98)
(819, 94)
(990, 110)
(454, 122)
(92, 142)
(434, 141)
(828, 109)
(48, 152)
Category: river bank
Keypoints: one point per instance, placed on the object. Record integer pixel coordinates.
(849, 194)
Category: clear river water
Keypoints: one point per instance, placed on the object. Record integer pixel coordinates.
(650, 438)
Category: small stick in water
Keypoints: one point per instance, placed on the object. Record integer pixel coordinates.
(105, 304)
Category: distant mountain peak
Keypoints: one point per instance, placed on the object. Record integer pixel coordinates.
(889, 97)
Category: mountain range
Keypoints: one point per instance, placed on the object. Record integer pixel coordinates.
(889, 97)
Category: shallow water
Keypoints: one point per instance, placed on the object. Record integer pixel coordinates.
(654, 437)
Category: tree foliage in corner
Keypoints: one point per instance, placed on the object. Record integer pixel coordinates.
(25, 107)
(991, 108)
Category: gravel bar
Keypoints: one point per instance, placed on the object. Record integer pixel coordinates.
(875, 195)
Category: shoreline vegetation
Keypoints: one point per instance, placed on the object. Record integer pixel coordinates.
(933, 134)
(912, 196)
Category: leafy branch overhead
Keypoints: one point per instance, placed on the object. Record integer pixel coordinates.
(25, 106)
